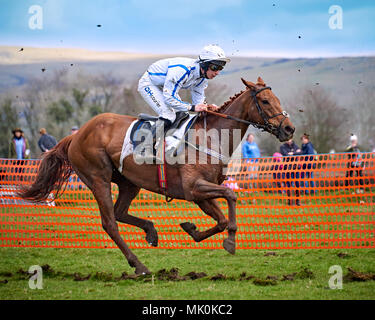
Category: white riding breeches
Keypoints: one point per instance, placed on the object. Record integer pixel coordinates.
(153, 95)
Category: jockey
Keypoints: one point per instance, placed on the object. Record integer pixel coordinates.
(160, 84)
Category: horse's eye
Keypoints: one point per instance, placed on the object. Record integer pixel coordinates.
(265, 102)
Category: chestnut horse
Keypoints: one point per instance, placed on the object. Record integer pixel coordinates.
(94, 154)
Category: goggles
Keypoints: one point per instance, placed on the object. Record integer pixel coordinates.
(215, 67)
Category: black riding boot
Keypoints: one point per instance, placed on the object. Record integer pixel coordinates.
(161, 126)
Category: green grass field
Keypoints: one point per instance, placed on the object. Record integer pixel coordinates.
(250, 274)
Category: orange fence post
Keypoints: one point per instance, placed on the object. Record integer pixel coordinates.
(300, 202)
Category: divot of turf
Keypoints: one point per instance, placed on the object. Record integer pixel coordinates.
(289, 277)
(103, 276)
(270, 253)
(171, 275)
(244, 277)
(79, 277)
(264, 282)
(305, 273)
(218, 276)
(195, 275)
(354, 275)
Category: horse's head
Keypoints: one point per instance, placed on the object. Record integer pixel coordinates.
(265, 111)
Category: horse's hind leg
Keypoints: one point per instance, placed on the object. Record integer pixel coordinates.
(211, 208)
(102, 193)
(97, 176)
(127, 192)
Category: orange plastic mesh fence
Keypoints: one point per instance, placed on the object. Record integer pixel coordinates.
(320, 201)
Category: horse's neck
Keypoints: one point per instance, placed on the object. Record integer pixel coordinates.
(235, 109)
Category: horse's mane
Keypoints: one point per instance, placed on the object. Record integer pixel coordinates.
(227, 103)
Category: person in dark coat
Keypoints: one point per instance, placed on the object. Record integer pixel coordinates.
(307, 175)
(355, 164)
(46, 142)
(289, 149)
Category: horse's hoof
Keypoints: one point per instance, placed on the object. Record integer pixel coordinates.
(191, 229)
(188, 227)
(142, 270)
(229, 245)
(152, 238)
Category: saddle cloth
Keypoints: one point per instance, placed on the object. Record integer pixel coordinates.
(175, 133)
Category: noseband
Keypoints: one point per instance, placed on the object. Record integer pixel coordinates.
(267, 126)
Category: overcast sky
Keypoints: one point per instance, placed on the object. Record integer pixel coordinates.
(242, 27)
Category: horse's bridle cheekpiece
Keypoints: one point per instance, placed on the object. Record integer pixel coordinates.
(267, 126)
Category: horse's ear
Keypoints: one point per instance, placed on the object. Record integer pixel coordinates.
(248, 84)
(260, 81)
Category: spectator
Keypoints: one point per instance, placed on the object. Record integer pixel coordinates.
(46, 142)
(355, 163)
(289, 148)
(19, 146)
(74, 130)
(250, 150)
(277, 166)
(231, 183)
(19, 149)
(307, 148)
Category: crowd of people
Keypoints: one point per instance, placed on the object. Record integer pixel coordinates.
(19, 147)
(293, 175)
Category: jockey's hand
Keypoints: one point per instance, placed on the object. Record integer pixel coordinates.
(201, 107)
(213, 107)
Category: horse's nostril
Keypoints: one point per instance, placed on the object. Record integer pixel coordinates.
(289, 129)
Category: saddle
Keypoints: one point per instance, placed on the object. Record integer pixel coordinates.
(145, 126)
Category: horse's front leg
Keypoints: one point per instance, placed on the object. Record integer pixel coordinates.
(211, 208)
(204, 190)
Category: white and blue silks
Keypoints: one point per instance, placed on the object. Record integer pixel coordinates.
(160, 84)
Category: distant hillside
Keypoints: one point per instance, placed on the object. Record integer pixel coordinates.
(342, 76)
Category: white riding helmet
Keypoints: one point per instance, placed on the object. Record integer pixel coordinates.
(213, 52)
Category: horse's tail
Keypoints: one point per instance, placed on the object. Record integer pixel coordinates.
(53, 173)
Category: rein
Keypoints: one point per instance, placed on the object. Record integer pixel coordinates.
(267, 126)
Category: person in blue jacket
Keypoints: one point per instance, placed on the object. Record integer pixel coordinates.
(251, 153)
(306, 147)
(250, 148)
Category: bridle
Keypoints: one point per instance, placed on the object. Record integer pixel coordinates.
(266, 126)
